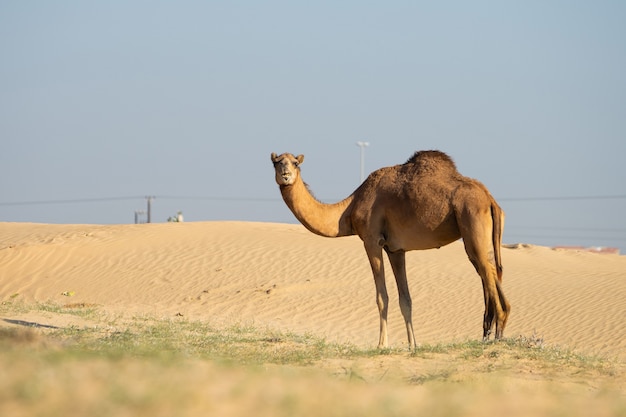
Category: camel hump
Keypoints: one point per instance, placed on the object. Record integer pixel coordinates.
(432, 160)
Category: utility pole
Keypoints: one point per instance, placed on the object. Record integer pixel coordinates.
(149, 212)
(362, 145)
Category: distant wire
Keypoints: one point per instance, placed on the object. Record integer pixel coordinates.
(266, 199)
(510, 232)
(215, 198)
(596, 197)
(577, 229)
(71, 201)
(576, 237)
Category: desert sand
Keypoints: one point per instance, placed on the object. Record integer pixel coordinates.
(280, 276)
(282, 279)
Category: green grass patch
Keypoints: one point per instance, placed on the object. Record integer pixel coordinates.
(172, 338)
(177, 337)
(116, 365)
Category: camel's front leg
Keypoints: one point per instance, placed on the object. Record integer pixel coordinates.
(398, 264)
(375, 255)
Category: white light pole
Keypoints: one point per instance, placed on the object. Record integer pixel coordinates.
(362, 145)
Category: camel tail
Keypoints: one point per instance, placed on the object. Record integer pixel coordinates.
(497, 217)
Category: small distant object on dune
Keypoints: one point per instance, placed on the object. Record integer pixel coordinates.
(517, 246)
(605, 250)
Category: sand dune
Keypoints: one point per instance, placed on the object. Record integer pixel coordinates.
(282, 276)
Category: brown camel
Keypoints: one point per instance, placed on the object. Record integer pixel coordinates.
(424, 203)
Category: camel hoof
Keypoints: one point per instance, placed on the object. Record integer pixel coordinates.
(486, 335)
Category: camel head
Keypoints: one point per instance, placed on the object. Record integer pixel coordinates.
(287, 167)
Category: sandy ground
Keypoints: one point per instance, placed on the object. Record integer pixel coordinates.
(283, 277)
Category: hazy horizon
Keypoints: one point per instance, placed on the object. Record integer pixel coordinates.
(105, 103)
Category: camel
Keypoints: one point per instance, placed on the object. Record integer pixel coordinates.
(424, 203)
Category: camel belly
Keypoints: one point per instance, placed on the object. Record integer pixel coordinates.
(421, 238)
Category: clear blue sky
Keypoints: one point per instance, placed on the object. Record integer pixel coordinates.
(123, 99)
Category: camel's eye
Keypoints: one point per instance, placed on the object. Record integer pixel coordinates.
(295, 164)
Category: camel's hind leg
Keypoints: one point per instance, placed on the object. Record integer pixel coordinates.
(490, 303)
(490, 307)
(506, 307)
(398, 264)
(496, 305)
(476, 231)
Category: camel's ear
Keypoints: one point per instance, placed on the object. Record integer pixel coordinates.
(274, 157)
(300, 159)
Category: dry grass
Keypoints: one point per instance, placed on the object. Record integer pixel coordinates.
(174, 367)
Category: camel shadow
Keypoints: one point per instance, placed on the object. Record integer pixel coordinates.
(29, 324)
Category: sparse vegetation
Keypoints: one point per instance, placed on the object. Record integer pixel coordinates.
(173, 366)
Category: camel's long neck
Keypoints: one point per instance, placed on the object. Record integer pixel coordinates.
(330, 220)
